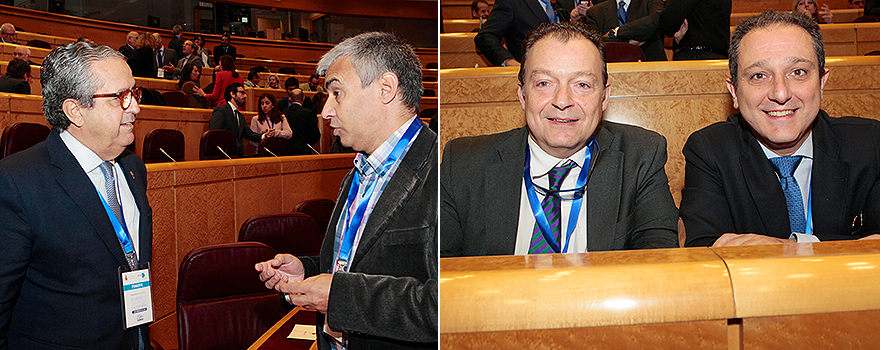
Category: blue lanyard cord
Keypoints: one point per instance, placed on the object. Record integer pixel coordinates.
(269, 122)
(540, 217)
(354, 221)
(120, 227)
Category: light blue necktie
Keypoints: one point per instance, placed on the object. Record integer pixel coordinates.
(785, 167)
(550, 11)
(621, 13)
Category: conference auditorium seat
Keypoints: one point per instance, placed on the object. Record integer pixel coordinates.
(21, 136)
(321, 209)
(217, 144)
(164, 145)
(221, 303)
(623, 52)
(273, 147)
(291, 233)
(175, 99)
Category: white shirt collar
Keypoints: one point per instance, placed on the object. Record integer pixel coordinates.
(232, 104)
(806, 148)
(86, 158)
(541, 162)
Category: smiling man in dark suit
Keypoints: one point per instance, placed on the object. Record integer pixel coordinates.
(67, 231)
(526, 191)
(780, 170)
(376, 278)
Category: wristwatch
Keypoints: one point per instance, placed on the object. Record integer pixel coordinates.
(612, 34)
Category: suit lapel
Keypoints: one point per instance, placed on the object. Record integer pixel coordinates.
(763, 185)
(537, 10)
(140, 199)
(829, 180)
(603, 198)
(76, 183)
(504, 192)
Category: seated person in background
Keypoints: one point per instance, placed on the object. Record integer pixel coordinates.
(808, 8)
(269, 121)
(781, 170)
(7, 33)
(304, 123)
(856, 4)
(272, 82)
(189, 80)
(480, 9)
(142, 61)
(227, 117)
(511, 21)
(204, 53)
(16, 80)
(492, 186)
(314, 84)
(640, 25)
(253, 79)
(189, 56)
(224, 48)
(291, 84)
(23, 53)
(84, 39)
(130, 41)
(701, 28)
(224, 75)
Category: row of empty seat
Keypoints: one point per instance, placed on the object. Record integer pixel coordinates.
(221, 304)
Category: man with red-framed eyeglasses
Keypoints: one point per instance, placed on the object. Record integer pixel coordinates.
(76, 226)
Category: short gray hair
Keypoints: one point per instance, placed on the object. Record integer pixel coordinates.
(766, 19)
(374, 53)
(67, 74)
(5, 26)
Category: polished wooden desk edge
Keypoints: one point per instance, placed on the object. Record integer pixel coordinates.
(262, 339)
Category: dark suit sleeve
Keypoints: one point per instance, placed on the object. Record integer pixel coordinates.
(218, 120)
(654, 213)
(594, 19)
(645, 28)
(451, 241)
(313, 132)
(674, 14)
(22, 88)
(247, 133)
(488, 40)
(14, 238)
(704, 205)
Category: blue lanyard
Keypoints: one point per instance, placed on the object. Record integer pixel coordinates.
(269, 122)
(119, 227)
(809, 229)
(354, 221)
(540, 217)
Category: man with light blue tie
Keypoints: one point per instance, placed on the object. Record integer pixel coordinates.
(511, 21)
(781, 170)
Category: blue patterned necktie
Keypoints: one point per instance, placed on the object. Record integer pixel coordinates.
(550, 11)
(621, 13)
(785, 167)
(552, 206)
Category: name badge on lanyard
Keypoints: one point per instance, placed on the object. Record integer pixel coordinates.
(354, 220)
(137, 297)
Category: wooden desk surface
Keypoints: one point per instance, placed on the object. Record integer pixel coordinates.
(276, 336)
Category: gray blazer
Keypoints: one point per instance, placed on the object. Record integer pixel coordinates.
(388, 300)
(628, 202)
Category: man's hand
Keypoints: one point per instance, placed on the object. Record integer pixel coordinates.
(636, 43)
(733, 239)
(312, 293)
(284, 268)
(681, 31)
(581, 10)
(511, 63)
(168, 68)
(874, 236)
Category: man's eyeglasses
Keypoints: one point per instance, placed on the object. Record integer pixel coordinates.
(125, 96)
